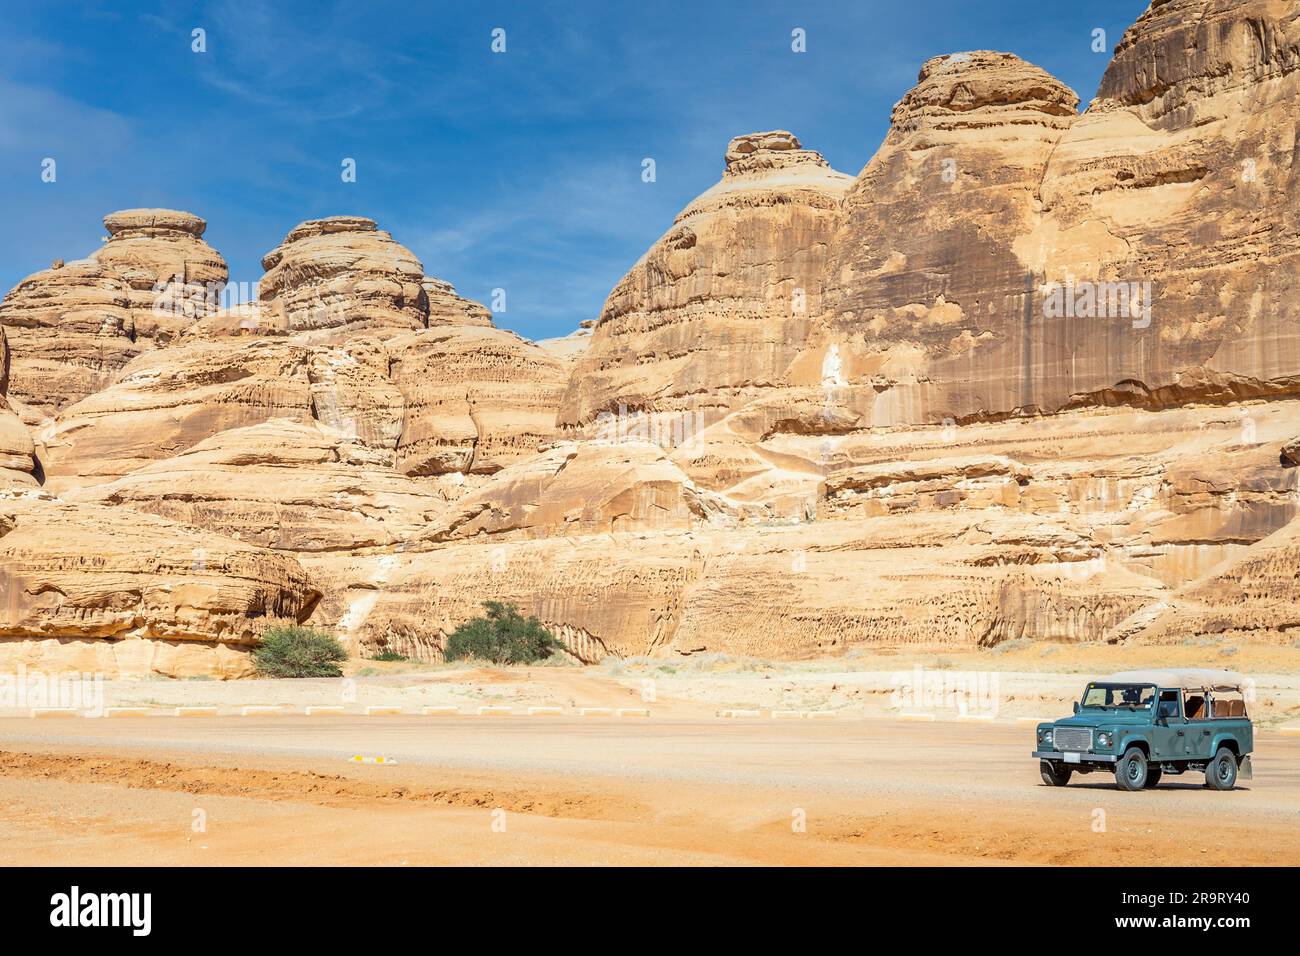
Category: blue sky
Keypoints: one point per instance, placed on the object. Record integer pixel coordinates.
(519, 170)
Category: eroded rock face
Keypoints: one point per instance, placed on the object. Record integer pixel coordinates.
(170, 399)
(1252, 598)
(17, 450)
(1066, 528)
(342, 272)
(155, 596)
(285, 484)
(570, 347)
(927, 296)
(581, 488)
(477, 399)
(172, 275)
(76, 325)
(715, 312)
(454, 399)
(769, 592)
(71, 331)
(1001, 256)
(448, 308)
(1181, 174)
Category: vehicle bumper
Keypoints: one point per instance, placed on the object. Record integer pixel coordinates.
(1083, 757)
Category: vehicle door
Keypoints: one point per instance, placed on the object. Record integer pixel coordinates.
(1169, 730)
(1200, 729)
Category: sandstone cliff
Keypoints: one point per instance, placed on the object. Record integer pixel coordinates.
(156, 596)
(714, 313)
(929, 306)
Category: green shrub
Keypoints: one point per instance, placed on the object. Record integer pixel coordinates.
(388, 656)
(504, 636)
(294, 651)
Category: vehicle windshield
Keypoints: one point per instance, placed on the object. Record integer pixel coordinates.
(1118, 697)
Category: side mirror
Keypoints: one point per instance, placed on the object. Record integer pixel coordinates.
(1076, 706)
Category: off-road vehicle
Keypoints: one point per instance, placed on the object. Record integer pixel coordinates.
(1144, 724)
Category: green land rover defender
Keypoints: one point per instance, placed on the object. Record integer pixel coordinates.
(1144, 724)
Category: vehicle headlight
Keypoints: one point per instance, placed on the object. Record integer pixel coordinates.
(1045, 736)
(1103, 739)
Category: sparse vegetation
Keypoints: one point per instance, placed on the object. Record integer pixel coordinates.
(296, 651)
(502, 636)
(388, 656)
(1010, 647)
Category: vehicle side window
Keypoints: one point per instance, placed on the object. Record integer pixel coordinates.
(1168, 706)
(1194, 706)
(1227, 703)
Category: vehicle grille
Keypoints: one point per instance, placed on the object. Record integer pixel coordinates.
(1073, 738)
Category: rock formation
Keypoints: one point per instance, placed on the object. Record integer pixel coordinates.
(17, 450)
(75, 325)
(581, 489)
(342, 272)
(170, 399)
(285, 484)
(1001, 256)
(71, 331)
(715, 311)
(90, 588)
(477, 399)
(173, 276)
(1290, 455)
(572, 346)
(1032, 374)
(1181, 175)
(927, 298)
(448, 308)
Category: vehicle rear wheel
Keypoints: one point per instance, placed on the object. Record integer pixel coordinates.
(1131, 770)
(1053, 774)
(1153, 776)
(1221, 773)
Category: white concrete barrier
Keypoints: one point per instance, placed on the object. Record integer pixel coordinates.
(261, 710)
(545, 711)
(383, 710)
(129, 712)
(1290, 730)
(195, 712)
(46, 712)
(495, 711)
(440, 711)
(739, 713)
(595, 712)
(360, 758)
(325, 711)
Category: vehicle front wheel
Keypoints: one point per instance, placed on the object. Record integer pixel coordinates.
(1153, 776)
(1221, 774)
(1053, 774)
(1131, 770)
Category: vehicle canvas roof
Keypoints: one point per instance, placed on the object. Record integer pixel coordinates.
(1187, 678)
